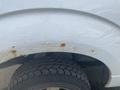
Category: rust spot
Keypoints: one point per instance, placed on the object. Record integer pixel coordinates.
(14, 51)
(62, 45)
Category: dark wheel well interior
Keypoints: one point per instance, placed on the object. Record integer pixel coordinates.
(97, 72)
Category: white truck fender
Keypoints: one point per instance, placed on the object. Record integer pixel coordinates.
(61, 27)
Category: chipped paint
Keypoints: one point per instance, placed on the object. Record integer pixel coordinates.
(62, 45)
(14, 52)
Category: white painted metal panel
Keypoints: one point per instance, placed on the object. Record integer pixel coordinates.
(33, 26)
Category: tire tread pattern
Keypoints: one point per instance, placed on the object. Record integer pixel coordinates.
(58, 67)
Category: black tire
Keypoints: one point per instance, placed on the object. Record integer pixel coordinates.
(41, 75)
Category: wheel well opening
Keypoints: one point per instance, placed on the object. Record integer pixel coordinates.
(97, 72)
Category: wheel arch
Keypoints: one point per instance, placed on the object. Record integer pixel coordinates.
(96, 44)
(90, 65)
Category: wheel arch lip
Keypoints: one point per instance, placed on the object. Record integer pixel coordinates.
(64, 10)
(84, 46)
